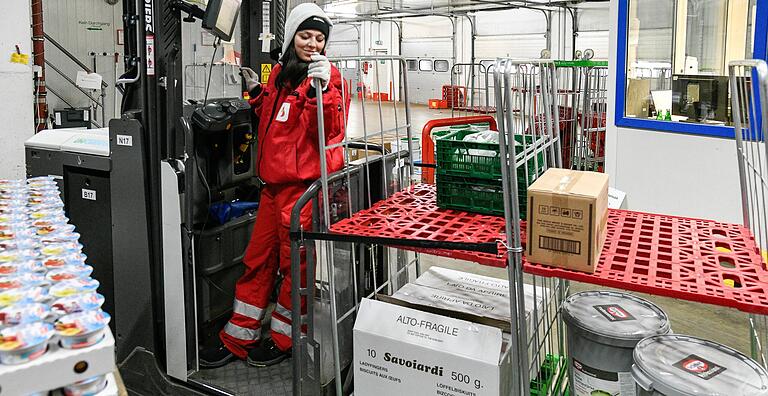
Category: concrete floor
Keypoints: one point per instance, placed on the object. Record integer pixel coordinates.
(723, 325)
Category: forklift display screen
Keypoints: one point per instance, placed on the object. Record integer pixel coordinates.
(221, 17)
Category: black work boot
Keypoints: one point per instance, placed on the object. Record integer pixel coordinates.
(266, 354)
(215, 356)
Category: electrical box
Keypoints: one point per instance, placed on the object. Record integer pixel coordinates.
(72, 117)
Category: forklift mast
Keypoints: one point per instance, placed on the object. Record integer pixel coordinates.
(152, 110)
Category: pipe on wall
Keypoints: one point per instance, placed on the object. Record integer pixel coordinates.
(38, 48)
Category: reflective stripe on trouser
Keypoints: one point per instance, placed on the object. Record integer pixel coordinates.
(242, 333)
(286, 313)
(248, 310)
(281, 329)
(278, 326)
(268, 252)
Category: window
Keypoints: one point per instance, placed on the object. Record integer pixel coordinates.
(413, 64)
(425, 65)
(751, 29)
(674, 58)
(442, 66)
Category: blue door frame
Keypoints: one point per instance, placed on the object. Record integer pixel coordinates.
(760, 52)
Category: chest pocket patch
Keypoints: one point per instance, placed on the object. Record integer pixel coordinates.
(285, 110)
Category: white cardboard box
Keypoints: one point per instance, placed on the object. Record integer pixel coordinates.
(403, 351)
(478, 295)
(483, 300)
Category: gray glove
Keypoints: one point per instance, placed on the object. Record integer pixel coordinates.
(320, 69)
(250, 78)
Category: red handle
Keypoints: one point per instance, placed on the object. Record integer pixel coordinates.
(428, 146)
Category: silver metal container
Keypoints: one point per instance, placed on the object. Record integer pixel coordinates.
(678, 365)
(603, 328)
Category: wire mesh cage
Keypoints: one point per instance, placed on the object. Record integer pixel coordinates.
(528, 92)
(377, 151)
(470, 91)
(583, 108)
(748, 85)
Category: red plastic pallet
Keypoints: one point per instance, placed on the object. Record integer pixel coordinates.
(677, 257)
(413, 214)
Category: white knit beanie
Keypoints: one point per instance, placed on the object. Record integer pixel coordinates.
(299, 14)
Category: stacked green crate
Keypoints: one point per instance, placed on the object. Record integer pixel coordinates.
(469, 173)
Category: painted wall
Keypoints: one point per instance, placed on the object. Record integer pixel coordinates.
(670, 173)
(17, 95)
(593, 30)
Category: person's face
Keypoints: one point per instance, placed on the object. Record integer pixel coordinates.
(308, 42)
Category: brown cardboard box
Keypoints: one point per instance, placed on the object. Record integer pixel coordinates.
(638, 97)
(567, 218)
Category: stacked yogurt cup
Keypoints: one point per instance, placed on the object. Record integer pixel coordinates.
(47, 297)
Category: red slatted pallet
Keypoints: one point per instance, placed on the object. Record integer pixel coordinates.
(413, 214)
(677, 257)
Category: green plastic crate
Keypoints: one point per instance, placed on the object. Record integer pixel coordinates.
(455, 157)
(552, 379)
(475, 195)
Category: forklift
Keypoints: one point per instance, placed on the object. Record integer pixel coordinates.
(183, 203)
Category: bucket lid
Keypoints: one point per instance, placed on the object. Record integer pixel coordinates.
(617, 319)
(678, 365)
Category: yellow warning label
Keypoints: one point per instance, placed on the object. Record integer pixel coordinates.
(266, 69)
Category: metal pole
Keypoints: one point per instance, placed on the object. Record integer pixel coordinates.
(324, 225)
(103, 110)
(504, 124)
(407, 117)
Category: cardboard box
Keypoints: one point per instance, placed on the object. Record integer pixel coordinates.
(638, 98)
(357, 154)
(404, 351)
(478, 299)
(567, 219)
(483, 299)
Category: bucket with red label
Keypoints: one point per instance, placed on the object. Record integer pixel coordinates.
(680, 365)
(603, 328)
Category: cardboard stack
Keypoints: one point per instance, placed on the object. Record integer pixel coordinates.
(445, 334)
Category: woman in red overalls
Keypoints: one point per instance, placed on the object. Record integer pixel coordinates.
(288, 160)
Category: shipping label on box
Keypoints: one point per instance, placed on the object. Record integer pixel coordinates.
(403, 351)
(567, 218)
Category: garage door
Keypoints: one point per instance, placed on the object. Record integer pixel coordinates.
(429, 65)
